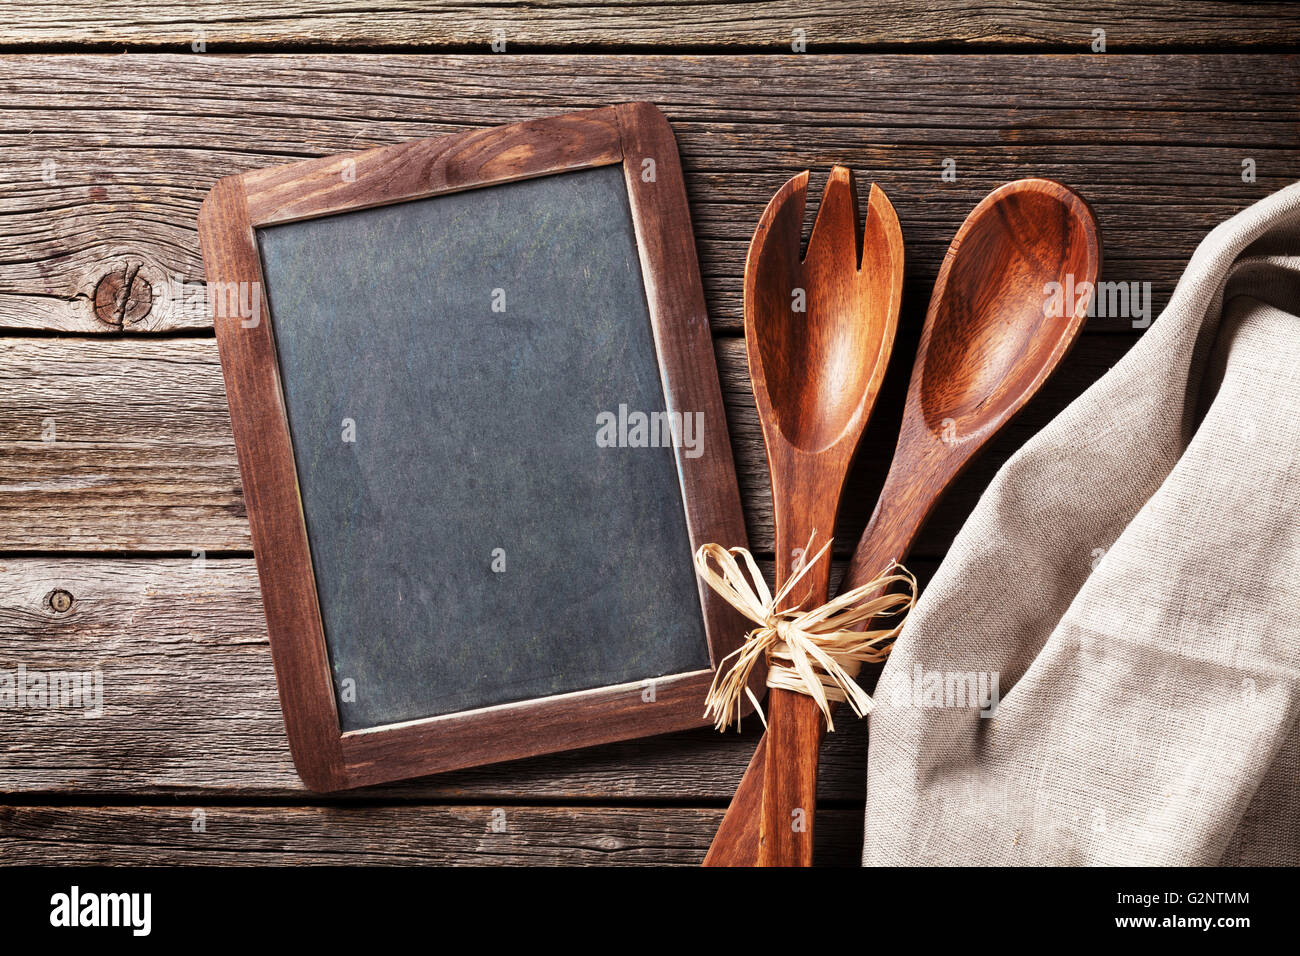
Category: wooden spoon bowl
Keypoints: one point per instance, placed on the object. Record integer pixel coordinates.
(996, 327)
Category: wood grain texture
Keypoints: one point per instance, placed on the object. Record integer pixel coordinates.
(377, 835)
(190, 703)
(107, 188)
(143, 458)
(420, 168)
(688, 368)
(255, 400)
(622, 24)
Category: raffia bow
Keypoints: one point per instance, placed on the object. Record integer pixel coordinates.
(816, 652)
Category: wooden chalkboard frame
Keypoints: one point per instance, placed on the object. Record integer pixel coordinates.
(630, 134)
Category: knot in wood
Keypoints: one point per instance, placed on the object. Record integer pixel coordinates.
(123, 297)
(60, 601)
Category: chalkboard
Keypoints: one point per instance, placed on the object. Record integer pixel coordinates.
(480, 433)
(444, 365)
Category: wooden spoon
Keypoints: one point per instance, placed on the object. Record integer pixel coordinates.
(990, 341)
(818, 336)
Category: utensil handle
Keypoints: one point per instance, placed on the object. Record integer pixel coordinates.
(800, 512)
(797, 520)
(752, 822)
(795, 728)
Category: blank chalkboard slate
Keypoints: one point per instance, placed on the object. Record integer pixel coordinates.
(469, 549)
(444, 362)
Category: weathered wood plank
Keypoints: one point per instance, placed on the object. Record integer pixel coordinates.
(383, 835)
(190, 705)
(623, 24)
(116, 445)
(124, 444)
(108, 185)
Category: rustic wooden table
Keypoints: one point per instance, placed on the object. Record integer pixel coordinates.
(123, 540)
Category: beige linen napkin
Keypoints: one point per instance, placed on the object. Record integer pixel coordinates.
(1131, 579)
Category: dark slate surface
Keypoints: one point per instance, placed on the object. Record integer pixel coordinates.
(476, 430)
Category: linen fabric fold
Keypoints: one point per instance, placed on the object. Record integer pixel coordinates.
(1106, 667)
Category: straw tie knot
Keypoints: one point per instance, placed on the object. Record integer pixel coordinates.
(785, 630)
(816, 652)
